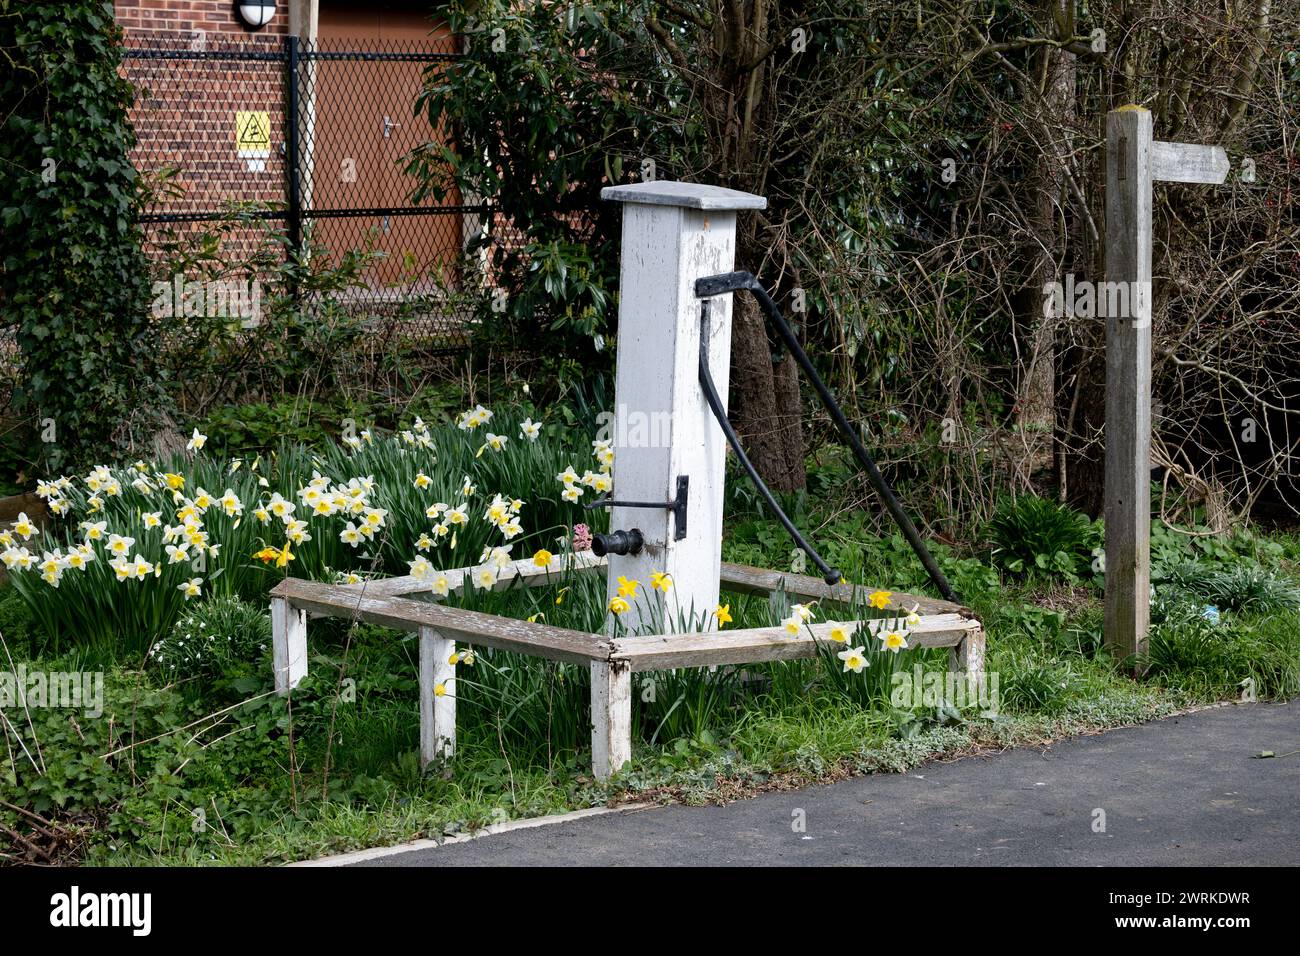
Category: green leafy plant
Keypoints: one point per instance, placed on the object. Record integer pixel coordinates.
(72, 277)
(1036, 537)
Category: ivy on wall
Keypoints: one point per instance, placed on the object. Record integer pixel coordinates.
(74, 286)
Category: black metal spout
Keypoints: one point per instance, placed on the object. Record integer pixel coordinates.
(617, 542)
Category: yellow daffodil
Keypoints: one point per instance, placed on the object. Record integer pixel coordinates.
(542, 558)
(660, 581)
(618, 605)
(627, 588)
(723, 613)
(879, 599)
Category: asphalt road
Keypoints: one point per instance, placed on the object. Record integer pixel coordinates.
(1182, 791)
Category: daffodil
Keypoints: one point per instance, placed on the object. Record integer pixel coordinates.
(350, 535)
(879, 599)
(196, 442)
(174, 482)
(854, 659)
(423, 543)
(441, 586)
(619, 605)
(191, 588)
(893, 640)
(542, 558)
(529, 429)
(151, 519)
(420, 567)
(94, 529)
(485, 577)
(840, 632)
(23, 526)
(792, 625)
(119, 545)
(231, 504)
(627, 588)
(422, 480)
(571, 493)
(723, 613)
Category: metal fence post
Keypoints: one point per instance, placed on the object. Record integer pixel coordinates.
(294, 220)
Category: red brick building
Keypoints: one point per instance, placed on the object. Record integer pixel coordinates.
(203, 75)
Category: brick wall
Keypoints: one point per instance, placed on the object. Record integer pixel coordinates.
(180, 18)
(184, 118)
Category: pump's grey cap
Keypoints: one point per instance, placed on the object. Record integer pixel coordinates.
(690, 195)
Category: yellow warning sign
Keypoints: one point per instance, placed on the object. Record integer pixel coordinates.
(252, 134)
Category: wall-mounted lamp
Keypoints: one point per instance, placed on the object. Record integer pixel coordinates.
(256, 13)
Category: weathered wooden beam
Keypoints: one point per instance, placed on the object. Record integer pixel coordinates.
(469, 627)
(523, 572)
(611, 717)
(437, 710)
(747, 580)
(1188, 163)
(762, 644)
(1128, 381)
(288, 643)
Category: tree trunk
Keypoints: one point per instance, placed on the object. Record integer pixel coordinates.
(765, 405)
(1036, 393)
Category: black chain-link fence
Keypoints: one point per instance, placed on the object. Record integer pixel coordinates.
(254, 150)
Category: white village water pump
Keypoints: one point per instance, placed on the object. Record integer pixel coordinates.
(666, 445)
(674, 348)
(670, 441)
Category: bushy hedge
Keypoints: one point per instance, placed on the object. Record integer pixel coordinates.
(73, 280)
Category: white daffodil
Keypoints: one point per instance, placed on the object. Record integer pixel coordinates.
(23, 526)
(893, 640)
(196, 442)
(842, 633)
(530, 429)
(854, 659)
(119, 545)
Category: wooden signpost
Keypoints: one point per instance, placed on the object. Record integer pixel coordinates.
(1133, 163)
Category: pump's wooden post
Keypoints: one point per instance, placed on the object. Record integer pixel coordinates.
(673, 234)
(1133, 162)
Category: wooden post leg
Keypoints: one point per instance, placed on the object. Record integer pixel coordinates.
(288, 644)
(437, 710)
(1128, 381)
(611, 717)
(967, 657)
